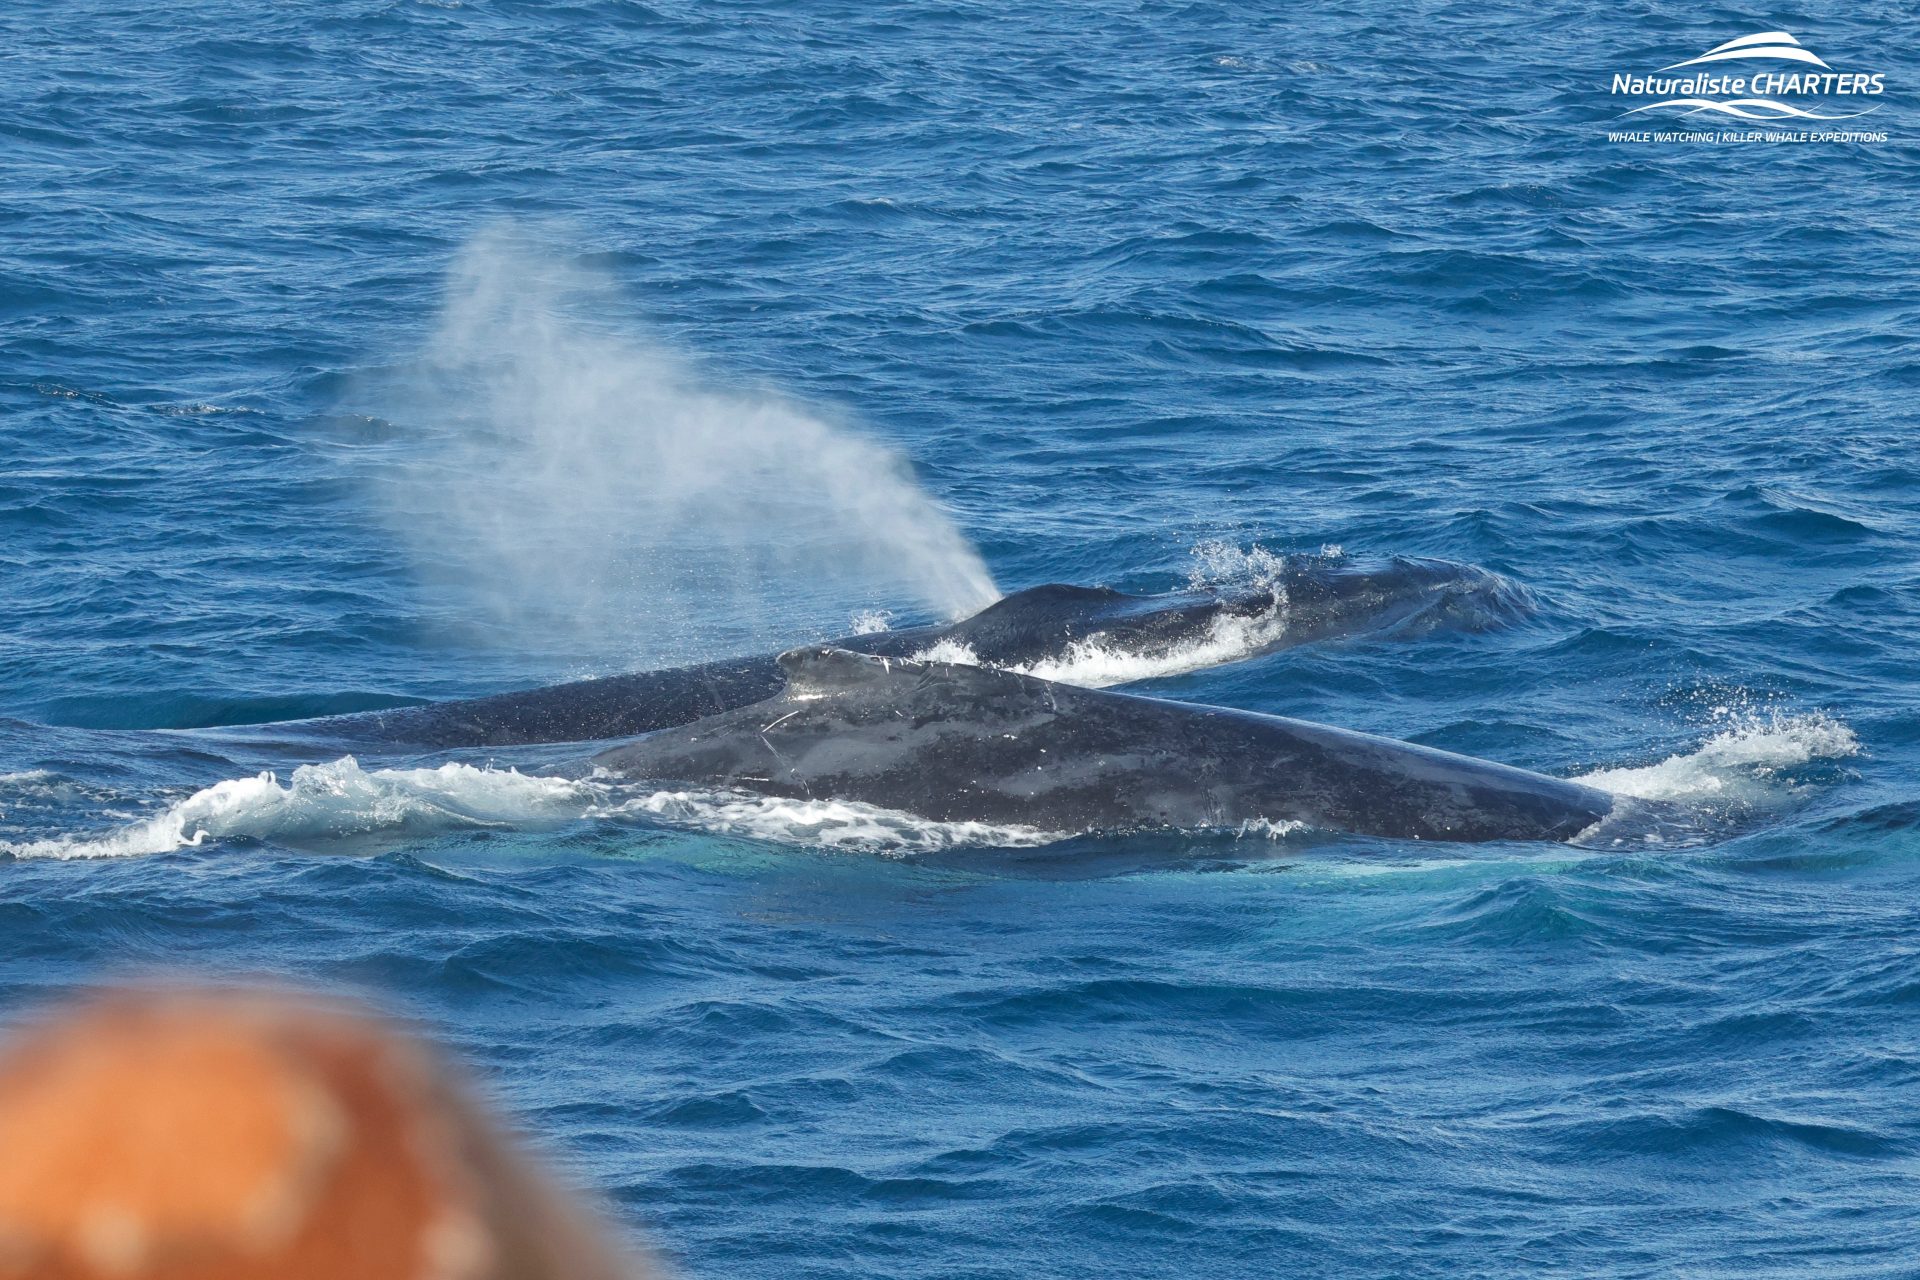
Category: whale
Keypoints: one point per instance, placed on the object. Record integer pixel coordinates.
(969, 744)
(1055, 629)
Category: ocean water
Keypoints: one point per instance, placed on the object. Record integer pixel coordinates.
(369, 352)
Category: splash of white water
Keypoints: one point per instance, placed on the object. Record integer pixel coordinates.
(1740, 764)
(1097, 661)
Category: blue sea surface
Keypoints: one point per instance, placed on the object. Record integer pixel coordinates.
(375, 351)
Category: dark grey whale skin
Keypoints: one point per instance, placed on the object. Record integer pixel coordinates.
(967, 744)
(1322, 601)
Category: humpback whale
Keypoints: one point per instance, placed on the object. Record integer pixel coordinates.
(1166, 633)
(961, 743)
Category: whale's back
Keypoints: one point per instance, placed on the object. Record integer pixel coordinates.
(962, 743)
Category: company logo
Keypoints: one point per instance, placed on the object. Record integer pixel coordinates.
(1768, 78)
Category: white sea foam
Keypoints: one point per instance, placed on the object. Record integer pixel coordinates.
(331, 802)
(1099, 661)
(341, 802)
(957, 652)
(832, 824)
(27, 785)
(1742, 763)
(1270, 828)
(1096, 662)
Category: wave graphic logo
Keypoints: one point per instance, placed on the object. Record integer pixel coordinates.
(1768, 44)
(1767, 78)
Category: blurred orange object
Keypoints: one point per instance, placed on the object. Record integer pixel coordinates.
(237, 1136)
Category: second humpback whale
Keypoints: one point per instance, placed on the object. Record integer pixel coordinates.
(1044, 628)
(970, 744)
